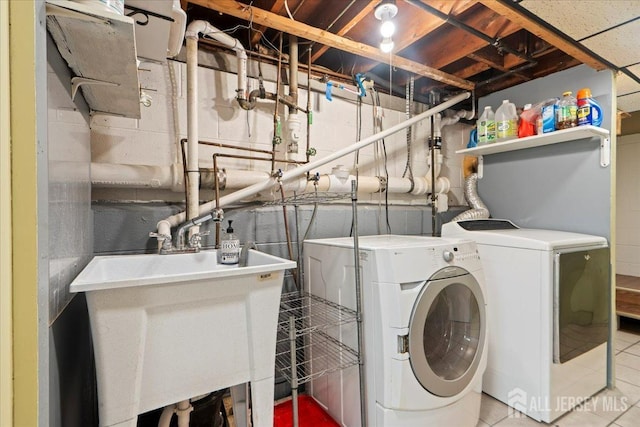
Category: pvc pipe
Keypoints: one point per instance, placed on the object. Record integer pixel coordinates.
(183, 409)
(133, 176)
(254, 189)
(197, 27)
(193, 174)
(167, 414)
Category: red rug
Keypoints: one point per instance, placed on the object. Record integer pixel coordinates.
(310, 414)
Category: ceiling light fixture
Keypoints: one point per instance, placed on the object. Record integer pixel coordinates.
(385, 12)
(386, 45)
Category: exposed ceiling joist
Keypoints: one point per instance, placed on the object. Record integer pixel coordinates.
(366, 10)
(280, 23)
(422, 25)
(277, 6)
(545, 34)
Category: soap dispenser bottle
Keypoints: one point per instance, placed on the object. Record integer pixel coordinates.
(229, 247)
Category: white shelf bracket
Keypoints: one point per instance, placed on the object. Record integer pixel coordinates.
(480, 166)
(76, 82)
(605, 151)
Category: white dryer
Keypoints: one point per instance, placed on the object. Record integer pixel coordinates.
(425, 329)
(549, 317)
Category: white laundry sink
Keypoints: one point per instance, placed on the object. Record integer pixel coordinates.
(167, 328)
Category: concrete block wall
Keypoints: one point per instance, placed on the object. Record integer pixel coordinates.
(628, 206)
(154, 139)
(70, 225)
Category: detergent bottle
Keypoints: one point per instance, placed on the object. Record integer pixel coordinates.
(589, 111)
(487, 127)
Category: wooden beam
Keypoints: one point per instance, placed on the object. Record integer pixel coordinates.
(308, 32)
(421, 23)
(366, 10)
(459, 43)
(493, 59)
(544, 33)
(260, 29)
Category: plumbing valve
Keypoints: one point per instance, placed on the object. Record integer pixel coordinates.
(195, 241)
(383, 184)
(218, 215)
(164, 239)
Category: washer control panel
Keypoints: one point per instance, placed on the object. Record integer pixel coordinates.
(461, 252)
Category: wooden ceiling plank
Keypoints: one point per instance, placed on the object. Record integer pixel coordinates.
(463, 43)
(280, 23)
(260, 29)
(366, 10)
(542, 32)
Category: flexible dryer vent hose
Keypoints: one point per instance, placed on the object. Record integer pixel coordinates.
(478, 208)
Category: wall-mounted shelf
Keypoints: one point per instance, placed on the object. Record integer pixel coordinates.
(571, 134)
(100, 49)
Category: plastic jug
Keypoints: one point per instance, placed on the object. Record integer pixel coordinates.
(566, 112)
(506, 121)
(487, 127)
(589, 111)
(526, 127)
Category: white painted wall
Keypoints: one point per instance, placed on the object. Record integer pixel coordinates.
(628, 205)
(153, 140)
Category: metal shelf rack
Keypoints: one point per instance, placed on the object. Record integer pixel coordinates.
(303, 324)
(305, 347)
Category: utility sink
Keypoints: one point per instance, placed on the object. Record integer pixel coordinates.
(167, 328)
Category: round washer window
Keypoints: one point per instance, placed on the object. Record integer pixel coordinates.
(447, 332)
(452, 332)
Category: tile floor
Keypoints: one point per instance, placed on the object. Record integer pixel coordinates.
(494, 413)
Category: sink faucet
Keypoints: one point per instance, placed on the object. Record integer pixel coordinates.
(194, 242)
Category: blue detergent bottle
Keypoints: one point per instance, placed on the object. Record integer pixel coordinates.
(589, 111)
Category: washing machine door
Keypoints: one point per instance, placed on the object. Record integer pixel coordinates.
(447, 332)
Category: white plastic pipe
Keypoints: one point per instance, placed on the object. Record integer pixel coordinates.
(134, 176)
(183, 410)
(193, 174)
(192, 35)
(203, 27)
(254, 189)
(167, 414)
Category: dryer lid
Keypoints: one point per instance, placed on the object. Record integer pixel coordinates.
(505, 233)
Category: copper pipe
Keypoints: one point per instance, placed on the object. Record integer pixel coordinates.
(238, 156)
(217, 195)
(235, 147)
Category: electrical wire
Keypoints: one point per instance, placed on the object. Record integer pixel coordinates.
(286, 6)
(386, 172)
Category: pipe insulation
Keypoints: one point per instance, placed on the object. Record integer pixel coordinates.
(110, 175)
(254, 189)
(478, 209)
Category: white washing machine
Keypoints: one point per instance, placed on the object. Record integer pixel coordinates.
(425, 329)
(549, 317)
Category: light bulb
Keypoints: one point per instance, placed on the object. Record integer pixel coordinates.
(387, 29)
(386, 45)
